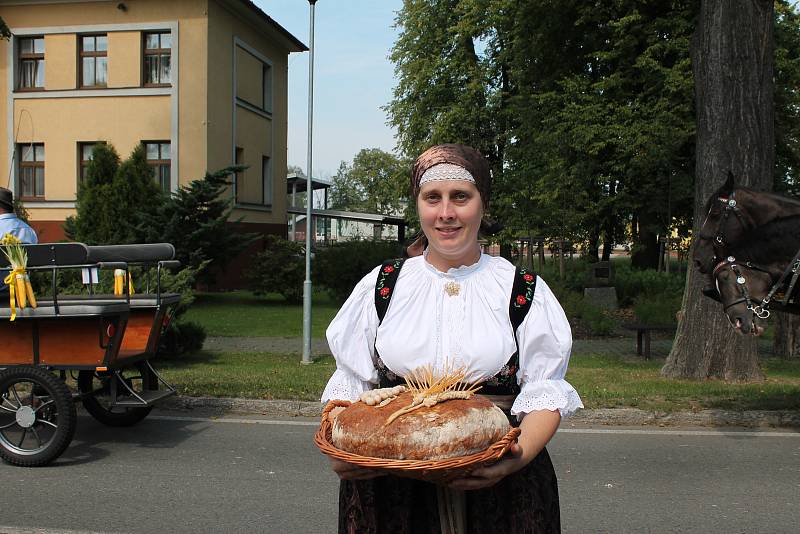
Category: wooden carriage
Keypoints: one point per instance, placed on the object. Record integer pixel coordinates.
(102, 342)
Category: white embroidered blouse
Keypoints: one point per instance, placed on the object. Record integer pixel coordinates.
(425, 325)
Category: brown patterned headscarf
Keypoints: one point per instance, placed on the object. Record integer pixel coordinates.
(463, 156)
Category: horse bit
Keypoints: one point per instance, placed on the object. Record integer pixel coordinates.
(761, 310)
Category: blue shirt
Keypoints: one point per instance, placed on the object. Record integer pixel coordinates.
(11, 224)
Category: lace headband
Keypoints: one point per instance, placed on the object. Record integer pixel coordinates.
(446, 171)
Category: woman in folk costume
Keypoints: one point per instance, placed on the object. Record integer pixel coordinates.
(453, 305)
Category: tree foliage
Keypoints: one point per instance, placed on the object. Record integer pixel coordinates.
(5, 33)
(375, 182)
(195, 219)
(787, 99)
(584, 109)
(115, 199)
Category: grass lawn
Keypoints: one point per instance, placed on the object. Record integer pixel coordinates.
(240, 313)
(603, 381)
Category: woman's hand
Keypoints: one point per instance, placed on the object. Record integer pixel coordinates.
(537, 429)
(488, 476)
(348, 471)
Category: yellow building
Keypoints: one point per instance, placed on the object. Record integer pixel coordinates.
(203, 83)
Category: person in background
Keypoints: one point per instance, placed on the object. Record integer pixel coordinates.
(10, 223)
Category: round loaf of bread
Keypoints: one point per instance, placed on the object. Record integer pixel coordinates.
(448, 429)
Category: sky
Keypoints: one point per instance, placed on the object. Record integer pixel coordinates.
(353, 78)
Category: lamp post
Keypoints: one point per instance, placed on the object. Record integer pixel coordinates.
(309, 194)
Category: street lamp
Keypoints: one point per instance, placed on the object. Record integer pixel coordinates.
(309, 195)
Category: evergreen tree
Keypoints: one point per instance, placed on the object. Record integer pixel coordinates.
(114, 199)
(135, 198)
(93, 221)
(196, 220)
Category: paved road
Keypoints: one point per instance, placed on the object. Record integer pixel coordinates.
(174, 473)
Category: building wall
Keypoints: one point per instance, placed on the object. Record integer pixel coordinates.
(123, 121)
(124, 113)
(237, 114)
(215, 103)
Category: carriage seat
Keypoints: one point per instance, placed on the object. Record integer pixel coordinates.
(66, 308)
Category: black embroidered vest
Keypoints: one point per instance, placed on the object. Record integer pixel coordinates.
(504, 382)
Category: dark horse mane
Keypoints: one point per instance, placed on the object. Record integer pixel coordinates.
(777, 240)
(725, 190)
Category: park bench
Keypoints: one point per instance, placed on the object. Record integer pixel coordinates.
(643, 332)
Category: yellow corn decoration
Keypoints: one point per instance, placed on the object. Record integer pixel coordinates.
(18, 282)
(29, 292)
(119, 282)
(22, 297)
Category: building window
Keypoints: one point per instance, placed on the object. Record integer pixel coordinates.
(85, 151)
(157, 50)
(94, 60)
(266, 82)
(238, 159)
(159, 159)
(31, 170)
(266, 179)
(31, 63)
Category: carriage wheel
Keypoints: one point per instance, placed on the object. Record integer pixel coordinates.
(96, 394)
(37, 416)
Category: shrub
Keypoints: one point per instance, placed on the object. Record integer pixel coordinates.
(574, 273)
(658, 309)
(632, 283)
(597, 320)
(182, 337)
(339, 268)
(195, 220)
(279, 269)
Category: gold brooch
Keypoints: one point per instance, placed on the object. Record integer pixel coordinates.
(452, 288)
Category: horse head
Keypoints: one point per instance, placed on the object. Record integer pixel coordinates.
(759, 270)
(725, 222)
(732, 211)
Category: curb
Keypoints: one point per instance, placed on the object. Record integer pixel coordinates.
(604, 416)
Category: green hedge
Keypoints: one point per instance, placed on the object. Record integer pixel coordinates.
(339, 268)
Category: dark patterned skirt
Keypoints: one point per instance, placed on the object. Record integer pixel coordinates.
(524, 502)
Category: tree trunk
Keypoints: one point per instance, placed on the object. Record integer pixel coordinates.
(732, 58)
(645, 248)
(593, 248)
(787, 335)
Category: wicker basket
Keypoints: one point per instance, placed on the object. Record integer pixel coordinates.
(429, 470)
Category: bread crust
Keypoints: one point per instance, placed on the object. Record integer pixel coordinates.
(446, 430)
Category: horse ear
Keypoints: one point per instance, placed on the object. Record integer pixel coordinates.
(728, 186)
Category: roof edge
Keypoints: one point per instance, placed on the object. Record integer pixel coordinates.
(299, 46)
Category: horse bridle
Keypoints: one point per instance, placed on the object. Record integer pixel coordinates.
(731, 206)
(761, 309)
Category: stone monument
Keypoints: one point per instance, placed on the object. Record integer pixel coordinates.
(599, 288)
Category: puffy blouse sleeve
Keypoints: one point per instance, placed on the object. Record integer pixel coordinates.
(351, 338)
(545, 342)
